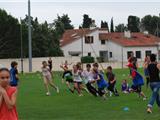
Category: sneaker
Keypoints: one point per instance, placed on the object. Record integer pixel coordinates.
(80, 95)
(149, 110)
(57, 89)
(144, 99)
(110, 94)
(48, 94)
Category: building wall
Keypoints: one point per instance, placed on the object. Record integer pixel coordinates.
(57, 61)
(142, 49)
(77, 46)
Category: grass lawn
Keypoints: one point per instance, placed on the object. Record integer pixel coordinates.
(32, 103)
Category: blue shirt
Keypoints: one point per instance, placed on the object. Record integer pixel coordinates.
(13, 79)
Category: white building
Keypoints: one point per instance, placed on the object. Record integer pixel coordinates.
(110, 46)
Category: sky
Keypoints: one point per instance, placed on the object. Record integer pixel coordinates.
(96, 9)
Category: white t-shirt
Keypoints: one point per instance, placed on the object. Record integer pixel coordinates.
(46, 72)
(77, 77)
(87, 75)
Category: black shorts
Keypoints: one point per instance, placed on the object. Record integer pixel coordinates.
(137, 89)
(69, 80)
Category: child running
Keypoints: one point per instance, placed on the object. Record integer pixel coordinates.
(137, 80)
(67, 75)
(101, 82)
(8, 97)
(48, 78)
(77, 79)
(112, 81)
(88, 77)
(14, 74)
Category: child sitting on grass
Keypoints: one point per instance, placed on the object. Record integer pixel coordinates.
(47, 78)
(8, 97)
(125, 86)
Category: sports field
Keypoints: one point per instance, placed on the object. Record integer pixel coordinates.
(32, 103)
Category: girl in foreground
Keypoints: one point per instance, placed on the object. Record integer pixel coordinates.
(47, 77)
(8, 97)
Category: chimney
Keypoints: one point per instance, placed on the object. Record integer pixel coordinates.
(127, 34)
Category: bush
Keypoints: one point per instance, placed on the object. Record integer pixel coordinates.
(100, 59)
(87, 59)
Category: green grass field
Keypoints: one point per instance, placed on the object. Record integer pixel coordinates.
(32, 103)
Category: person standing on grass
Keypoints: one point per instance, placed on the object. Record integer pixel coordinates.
(50, 64)
(154, 69)
(14, 74)
(47, 77)
(87, 76)
(146, 72)
(8, 97)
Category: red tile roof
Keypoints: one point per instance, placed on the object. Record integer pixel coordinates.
(72, 35)
(137, 39)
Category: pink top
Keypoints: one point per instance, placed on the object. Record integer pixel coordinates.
(5, 113)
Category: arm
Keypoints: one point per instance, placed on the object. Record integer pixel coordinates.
(9, 102)
(158, 66)
(1, 98)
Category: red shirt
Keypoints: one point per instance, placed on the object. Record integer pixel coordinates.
(5, 113)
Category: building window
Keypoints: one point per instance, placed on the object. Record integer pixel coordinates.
(103, 42)
(110, 54)
(148, 52)
(89, 54)
(129, 54)
(138, 54)
(89, 39)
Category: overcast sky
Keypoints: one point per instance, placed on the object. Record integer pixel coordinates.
(97, 9)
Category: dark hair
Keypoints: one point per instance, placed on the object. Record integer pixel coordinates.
(44, 62)
(4, 69)
(14, 63)
(153, 57)
(95, 65)
(88, 65)
(109, 68)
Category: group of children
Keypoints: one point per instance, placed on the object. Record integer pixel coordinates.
(79, 79)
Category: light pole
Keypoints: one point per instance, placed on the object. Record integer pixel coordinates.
(29, 37)
(21, 46)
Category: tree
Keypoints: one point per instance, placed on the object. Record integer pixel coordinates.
(104, 24)
(120, 28)
(133, 23)
(112, 25)
(9, 36)
(87, 21)
(149, 23)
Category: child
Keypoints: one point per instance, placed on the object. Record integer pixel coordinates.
(50, 64)
(146, 72)
(88, 77)
(48, 78)
(101, 83)
(77, 79)
(14, 74)
(8, 97)
(67, 75)
(66, 64)
(137, 80)
(112, 81)
(125, 86)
